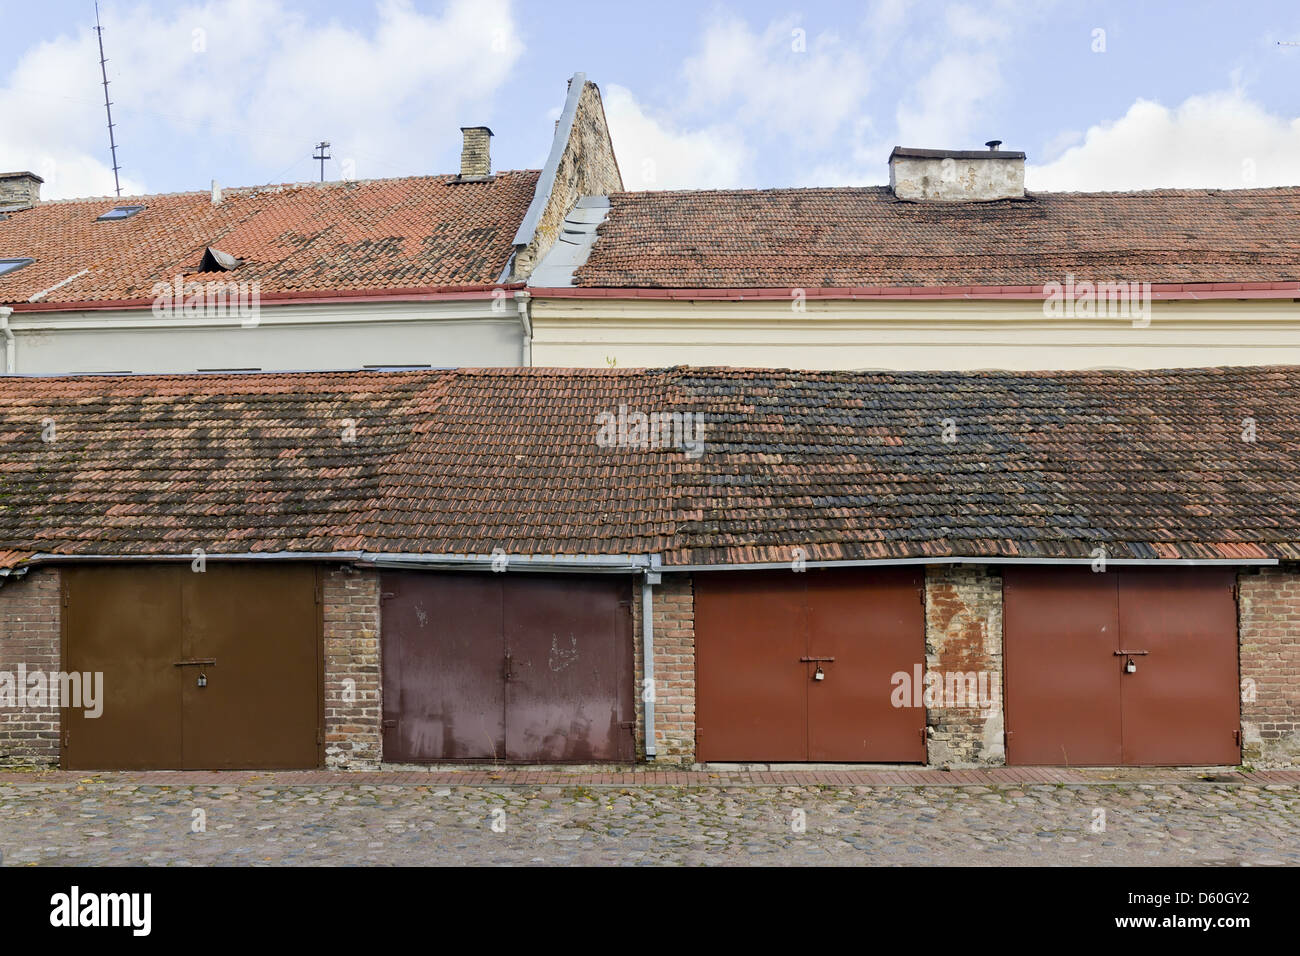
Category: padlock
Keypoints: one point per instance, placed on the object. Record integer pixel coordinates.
(1130, 666)
(820, 675)
(203, 679)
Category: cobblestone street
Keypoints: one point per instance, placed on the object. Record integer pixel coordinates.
(1204, 824)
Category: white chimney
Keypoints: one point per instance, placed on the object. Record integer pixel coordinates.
(957, 175)
(216, 193)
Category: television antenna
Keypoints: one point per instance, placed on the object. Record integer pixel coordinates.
(322, 154)
(108, 106)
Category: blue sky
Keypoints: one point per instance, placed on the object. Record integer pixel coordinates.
(1106, 95)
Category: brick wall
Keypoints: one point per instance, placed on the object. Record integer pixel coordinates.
(29, 635)
(674, 633)
(963, 637)
(1269, 616)
(353, 711)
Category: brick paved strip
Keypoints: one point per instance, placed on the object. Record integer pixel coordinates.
(676, 778)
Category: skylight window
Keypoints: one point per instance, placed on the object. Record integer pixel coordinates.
(9, 265)
(119, 212)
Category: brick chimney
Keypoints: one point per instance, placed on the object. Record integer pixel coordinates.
(957, 175)
(19, 190)
(475, 155)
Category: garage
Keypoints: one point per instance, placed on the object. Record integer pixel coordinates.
(797, 667)
(211, 670)
(1133, 666)
(529, 668)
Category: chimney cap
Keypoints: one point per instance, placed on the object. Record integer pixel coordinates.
(912, 152)
(466, 129)
(25, 174)
(993, 145)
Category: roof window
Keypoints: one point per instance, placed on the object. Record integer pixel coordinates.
(119, 212)
(9, 265)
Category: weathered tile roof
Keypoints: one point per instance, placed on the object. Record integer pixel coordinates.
(1148, 464)
(864, 237)
(227, 463)
(838, 464)
(362, 236)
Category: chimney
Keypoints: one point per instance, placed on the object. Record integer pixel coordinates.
(216, 193)
(475, 158)
(19, 190)
(957, 175)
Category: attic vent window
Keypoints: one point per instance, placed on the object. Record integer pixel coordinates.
(214, 260)
(119, 212)
(10, 265)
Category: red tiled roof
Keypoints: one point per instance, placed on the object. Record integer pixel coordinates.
(856, 237)
(363, 236)
(1145, 464)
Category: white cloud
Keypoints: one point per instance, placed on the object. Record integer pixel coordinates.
(948, 100)
(262, 79)
(786, 81)
(653, 153)
(1220, 140)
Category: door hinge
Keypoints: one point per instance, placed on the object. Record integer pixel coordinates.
(627, 724)
(1236, 737)
(67, 736)
(320, 736)
(387, 595)
(388, 724)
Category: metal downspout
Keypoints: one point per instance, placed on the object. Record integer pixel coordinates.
(521, 302)
(652, 578)
(11, 360)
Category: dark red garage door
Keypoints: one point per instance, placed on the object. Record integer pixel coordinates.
(528, 668)
(760, 639)
(1069, 634)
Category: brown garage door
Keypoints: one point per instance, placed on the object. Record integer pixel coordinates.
(761, 638)
(252, 632)
(526, 668)
(1070, 698)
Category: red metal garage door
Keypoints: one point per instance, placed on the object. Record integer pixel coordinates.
(760, 639)
(1070, 699)
(526, 668)
(252, 631)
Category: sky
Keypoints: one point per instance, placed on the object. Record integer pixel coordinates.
(1100, 95)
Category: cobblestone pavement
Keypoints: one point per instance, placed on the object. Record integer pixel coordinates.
(362, 824)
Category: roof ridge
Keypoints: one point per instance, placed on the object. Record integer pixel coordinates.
(884, 188)
(265, 187)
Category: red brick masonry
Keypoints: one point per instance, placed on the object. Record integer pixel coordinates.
(29, 635)
(1269, 628)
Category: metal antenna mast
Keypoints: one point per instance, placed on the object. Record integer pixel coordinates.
(321, 154)
(108, 107)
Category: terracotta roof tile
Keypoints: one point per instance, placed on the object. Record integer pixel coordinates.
(839, 464)
(864, 237)
(361, 236)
